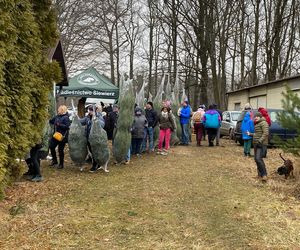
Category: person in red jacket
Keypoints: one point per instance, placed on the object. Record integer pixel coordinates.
(265, 114)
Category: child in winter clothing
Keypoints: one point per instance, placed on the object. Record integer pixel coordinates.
(137, 132)
(247, 126)
(166, 125)
(197, 124)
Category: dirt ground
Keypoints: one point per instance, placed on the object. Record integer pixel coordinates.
(194, 198)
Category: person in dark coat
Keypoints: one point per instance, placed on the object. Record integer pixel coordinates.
(111, 121)
(137, 131)
(61, 124)
(151, 117)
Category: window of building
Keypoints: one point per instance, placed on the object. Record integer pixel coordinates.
(237, 106)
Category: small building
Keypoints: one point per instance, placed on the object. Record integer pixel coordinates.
(268, 95)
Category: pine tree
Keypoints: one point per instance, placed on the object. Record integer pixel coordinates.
(27, 27)
(290, 119)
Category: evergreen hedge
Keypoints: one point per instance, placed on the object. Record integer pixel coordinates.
(290, 119)
(27, 28)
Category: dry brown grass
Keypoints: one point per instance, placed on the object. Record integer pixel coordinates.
(195, 198)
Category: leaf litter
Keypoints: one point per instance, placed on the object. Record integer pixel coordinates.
(199, 198)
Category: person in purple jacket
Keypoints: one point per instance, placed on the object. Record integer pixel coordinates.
(185, 115)
(212, 122)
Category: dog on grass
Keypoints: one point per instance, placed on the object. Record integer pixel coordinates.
(287, 168)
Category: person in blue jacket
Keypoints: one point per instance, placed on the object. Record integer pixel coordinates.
(185, 115)
(247, 126)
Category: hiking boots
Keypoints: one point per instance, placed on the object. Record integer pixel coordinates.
(264, 178)
(60, 166)
(53, 163)
(93, 169)
(28, 173)
(37, 179)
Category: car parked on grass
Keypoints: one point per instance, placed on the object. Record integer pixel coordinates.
(275, 129)
(229, 119)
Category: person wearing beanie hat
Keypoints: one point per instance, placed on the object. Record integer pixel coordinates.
(265, 114)
(137, 131)
(260, 142)
(151, 117)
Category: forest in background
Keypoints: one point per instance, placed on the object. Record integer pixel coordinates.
(214, 46)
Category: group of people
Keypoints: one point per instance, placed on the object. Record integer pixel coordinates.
(255, 130)
(143, 128)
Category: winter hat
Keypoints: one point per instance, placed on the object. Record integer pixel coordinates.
(202, 106)
(247, 106)
(138, 111)
(215, 106)
(91, 108)
(258, 114)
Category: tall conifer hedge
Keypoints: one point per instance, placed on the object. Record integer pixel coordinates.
(27, 29)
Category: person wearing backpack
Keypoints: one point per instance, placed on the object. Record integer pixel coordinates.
(198, 125)
(212, 122)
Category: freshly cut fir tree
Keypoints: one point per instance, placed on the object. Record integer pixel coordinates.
(98, 142)
(77, 142)
(122, 139)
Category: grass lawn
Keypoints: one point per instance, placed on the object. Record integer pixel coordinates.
(194, 198)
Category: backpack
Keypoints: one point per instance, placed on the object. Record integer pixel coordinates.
(212, 121)
(197, 117)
